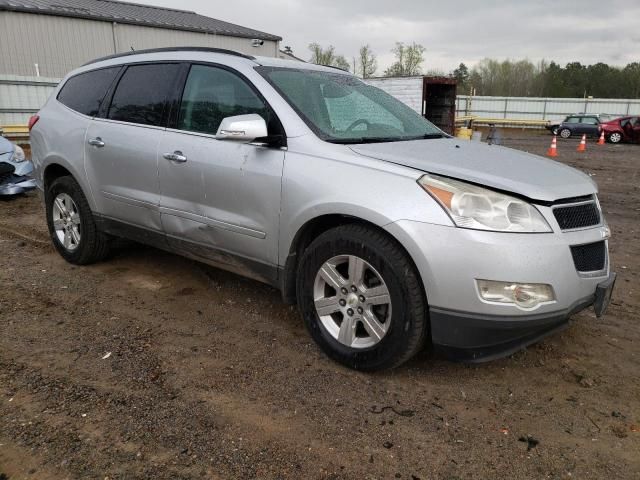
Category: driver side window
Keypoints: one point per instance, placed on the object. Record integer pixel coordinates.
(345, 111)
(212, 94)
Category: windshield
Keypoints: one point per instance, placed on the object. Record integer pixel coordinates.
(340, 108)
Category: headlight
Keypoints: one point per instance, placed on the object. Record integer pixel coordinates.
(18, 154)
(479, 208)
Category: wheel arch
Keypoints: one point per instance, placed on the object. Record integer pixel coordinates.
(315, 227)
(56, 168)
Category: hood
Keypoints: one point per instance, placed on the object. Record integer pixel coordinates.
(534, 177)
(5, 146)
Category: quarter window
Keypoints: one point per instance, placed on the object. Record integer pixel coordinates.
(573, 120)
(212, 94)
(85, 92)
(141, 95)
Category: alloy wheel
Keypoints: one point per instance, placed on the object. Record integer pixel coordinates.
(352, 301)
(66, 221)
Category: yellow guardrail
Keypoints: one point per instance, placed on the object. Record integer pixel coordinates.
(15, 130)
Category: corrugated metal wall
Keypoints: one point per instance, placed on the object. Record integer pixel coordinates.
(138, 37)
(21, 97)
(531, 108)
(56, 44)
(406, 89)
(60, 44)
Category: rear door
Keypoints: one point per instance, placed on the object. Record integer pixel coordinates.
(589, 126)
(121, 148)
(221, 201)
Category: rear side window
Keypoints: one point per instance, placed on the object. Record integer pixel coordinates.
(85, 92)
(142, 92)
(590, 120)
(573, 120)
(212, 94)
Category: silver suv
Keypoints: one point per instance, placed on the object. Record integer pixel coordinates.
(386, 232)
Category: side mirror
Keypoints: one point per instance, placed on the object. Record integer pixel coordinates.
(242, 128)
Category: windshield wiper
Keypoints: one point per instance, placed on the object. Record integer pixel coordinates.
(367, 140)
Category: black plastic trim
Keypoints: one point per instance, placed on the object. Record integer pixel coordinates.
(474, 338)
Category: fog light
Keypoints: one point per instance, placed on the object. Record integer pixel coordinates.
(525, 295)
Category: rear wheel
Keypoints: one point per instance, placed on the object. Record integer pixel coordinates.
(615, 137)
(565, 133)
(71, 224)
(361, 298)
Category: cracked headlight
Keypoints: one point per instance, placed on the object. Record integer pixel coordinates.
(470, 206)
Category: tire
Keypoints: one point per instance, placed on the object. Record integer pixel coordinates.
(554, 130)
(399, 319)
(615, 137)
(84, 245)
(565, 133)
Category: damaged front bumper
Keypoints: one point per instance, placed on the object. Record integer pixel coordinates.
(16, 178)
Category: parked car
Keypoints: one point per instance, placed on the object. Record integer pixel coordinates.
(625, 129)
(388, 233)
(15, 169)
(578, 124)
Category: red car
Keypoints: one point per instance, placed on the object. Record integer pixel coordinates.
(623, 129)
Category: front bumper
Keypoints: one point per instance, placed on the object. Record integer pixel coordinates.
(479, 338)
(451, 259)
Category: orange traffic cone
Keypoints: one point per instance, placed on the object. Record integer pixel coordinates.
(553, 149)
(601, 139)
(583, 143)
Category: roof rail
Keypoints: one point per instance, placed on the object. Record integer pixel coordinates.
(172, 49)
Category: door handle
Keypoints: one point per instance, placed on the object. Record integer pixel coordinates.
(96, 142)
(176, 156)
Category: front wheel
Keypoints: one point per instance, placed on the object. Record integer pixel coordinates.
(565, 133)
(361, 298)
(71, 223)
(615, 137)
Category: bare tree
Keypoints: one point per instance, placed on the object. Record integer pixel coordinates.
(367, 62)
(408, 62)
(327, 56)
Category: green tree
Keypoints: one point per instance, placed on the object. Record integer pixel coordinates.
(461, 74)
(409, 59)
(367, 62)
(631, 80)
(327, 56)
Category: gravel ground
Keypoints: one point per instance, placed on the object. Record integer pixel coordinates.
(152, 366)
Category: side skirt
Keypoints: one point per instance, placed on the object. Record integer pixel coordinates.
(245, 267)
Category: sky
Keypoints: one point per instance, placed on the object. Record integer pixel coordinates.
(452, 32)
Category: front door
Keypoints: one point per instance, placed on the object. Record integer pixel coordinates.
(121, 149)
(220, 200)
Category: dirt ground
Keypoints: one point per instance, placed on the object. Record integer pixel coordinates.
(152, 366)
